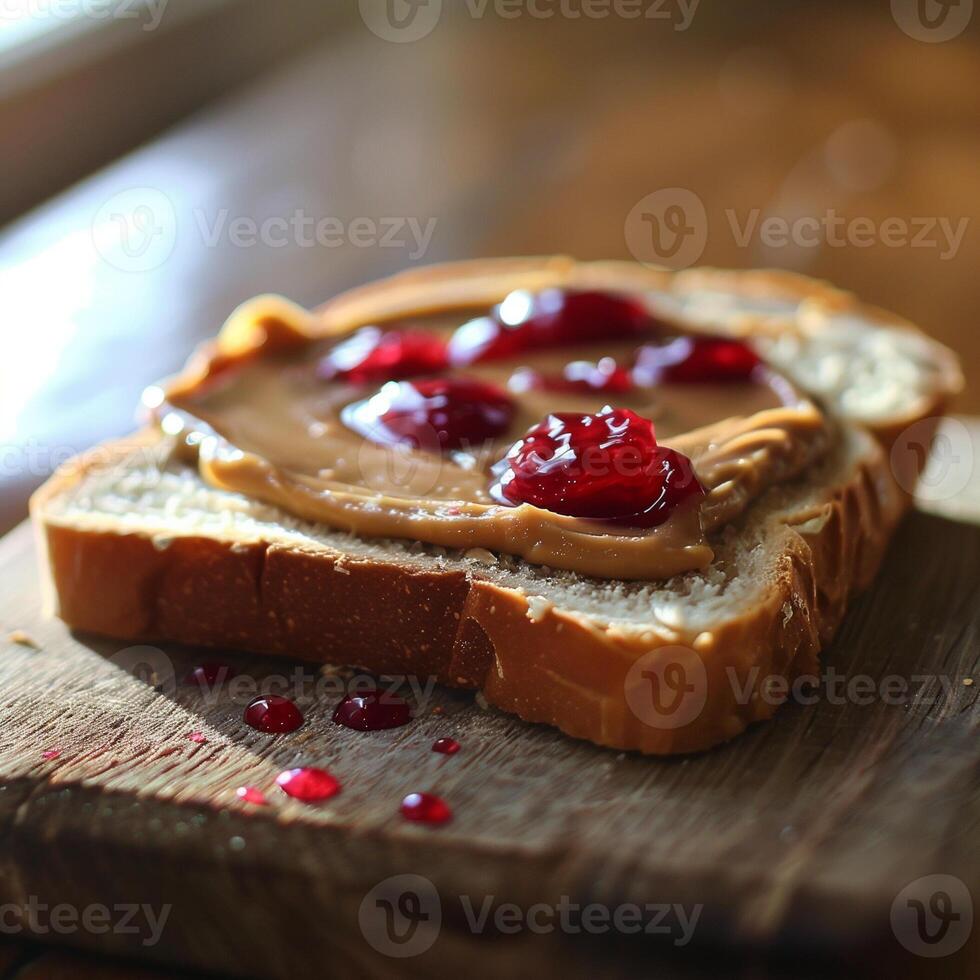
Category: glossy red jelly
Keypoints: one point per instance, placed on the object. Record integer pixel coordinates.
(372, 356)
(209, 674)
(51, 754)
(553, 317)
(693, 360)
(273, 714)
(309, 784)
(199, 737)
(446, 746)
(579, 377)
(373, 711)
(606, 466)
(251, 794)
(434, 414)
(426, 808)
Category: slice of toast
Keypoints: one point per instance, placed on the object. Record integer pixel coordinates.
(138, 547)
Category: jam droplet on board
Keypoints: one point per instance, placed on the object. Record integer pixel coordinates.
(606, 466)
(309, 784)
(372, 711)
(426, 808)
(209, 674)
(198, 737)
(50, 754)
(251, 794)
(273, 714)
(370, 356)
(446, 746)
(435, 414)
(549, 318)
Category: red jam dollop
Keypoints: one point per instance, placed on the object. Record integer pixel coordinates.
(606, 466)
(433, 414)
(549, 318)
(370, 356)
(694, 360)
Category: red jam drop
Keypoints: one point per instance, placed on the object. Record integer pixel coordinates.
(372, 356)
(251, 794)
(311, 785)
(426, 808)
(372, 711)
(446, 746)
(199, 737)
(694, 360)
(552, 317)
(578, 377)
(51, 754)
(273, 714)
(606, 466)
(436, 414)
(209, 674)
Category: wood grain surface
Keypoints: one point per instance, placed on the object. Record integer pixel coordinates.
(796, 837)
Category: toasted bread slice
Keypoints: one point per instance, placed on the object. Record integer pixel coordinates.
(138, 547)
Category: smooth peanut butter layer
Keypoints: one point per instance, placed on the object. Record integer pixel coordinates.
(258, 417)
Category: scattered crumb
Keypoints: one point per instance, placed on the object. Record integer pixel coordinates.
(340, 568)
(704, 641)
(481, 555)
(538, 607)
(24, 639)
(438, 710)
(161, 541)
(968, 682)
(481, 701)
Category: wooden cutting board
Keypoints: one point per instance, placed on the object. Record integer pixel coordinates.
(798, 836)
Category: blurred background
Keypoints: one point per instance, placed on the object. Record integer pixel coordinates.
(166, 159)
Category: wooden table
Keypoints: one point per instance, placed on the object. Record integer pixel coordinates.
(515, 138)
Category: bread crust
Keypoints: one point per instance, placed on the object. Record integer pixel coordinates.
(543, 663)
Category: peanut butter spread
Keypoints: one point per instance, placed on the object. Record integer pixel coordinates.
(256, 416)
